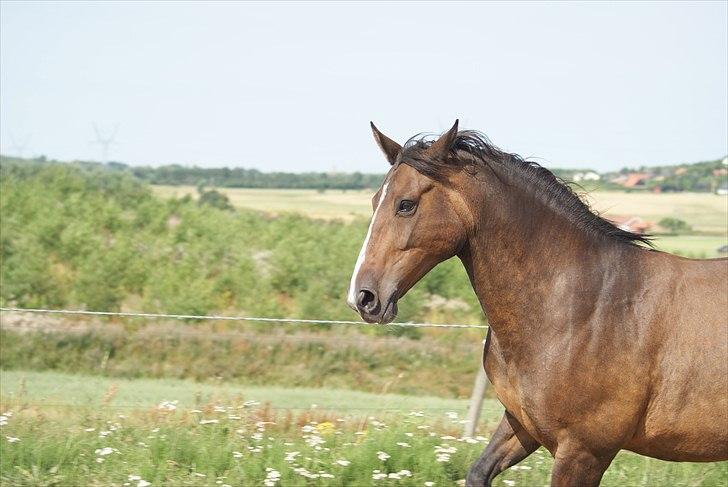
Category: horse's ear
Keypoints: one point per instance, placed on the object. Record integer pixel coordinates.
(442, 146)
(390, 148)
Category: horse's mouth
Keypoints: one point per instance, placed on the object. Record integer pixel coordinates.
(389, 313)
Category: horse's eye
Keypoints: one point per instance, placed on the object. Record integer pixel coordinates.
(406, 206)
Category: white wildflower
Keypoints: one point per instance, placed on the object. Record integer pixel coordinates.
(168, 405)
(12, 439)
(403, 444)
(107, 450)
(343, 462)
(209, 421)
(509, 482)
(383, 456)
(291, 456)
(237, 454)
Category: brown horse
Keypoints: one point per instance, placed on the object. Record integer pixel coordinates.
(596, 343)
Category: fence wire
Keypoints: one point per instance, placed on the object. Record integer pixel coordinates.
(289, 321)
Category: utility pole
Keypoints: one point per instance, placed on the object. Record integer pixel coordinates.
(104, 141)
(19, 145)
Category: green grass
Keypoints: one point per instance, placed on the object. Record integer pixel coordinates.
(695, 246)
(89, 390)
(63, 443)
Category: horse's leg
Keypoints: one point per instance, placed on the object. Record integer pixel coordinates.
(509, 445)
(579, 468)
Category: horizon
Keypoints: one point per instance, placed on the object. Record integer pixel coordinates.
(249, 85)
(195, 166)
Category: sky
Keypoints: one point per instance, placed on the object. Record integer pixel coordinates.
(283, 86)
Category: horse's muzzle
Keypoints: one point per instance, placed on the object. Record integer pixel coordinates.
(372, 309)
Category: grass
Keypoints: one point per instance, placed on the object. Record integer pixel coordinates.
(89, 440)
(330, 204)
(695, 246)
(90, 390)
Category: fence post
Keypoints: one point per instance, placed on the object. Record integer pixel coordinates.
(476, 402)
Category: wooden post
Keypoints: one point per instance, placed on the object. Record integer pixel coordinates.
(476, 402)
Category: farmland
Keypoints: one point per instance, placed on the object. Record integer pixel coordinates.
(706, 213)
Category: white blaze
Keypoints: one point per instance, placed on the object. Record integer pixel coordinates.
(351, 299)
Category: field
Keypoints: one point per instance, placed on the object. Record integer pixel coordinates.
(79, 430)
(706, 213)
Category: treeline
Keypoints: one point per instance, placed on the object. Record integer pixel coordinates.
(704, 176)
(252, 178)
(77, 236)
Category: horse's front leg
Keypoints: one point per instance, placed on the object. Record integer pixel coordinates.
(576, 466)
(509, 445)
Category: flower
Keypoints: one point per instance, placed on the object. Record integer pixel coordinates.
(509, 482)
(429, 484)
(272, 477)
(168, 405)
(326, 428)
(237, 454)
(343, 463)
(209, 421)
(291, 456)
(383, 456)
(12, 439)
(404, 444)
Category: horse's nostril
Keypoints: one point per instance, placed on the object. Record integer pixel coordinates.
(366, 300)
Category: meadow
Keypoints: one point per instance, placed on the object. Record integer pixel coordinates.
(707, 213)
(141, 433)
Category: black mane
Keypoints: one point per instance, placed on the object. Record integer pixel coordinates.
(551, 189)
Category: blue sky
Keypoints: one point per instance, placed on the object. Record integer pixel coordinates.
(293, 86)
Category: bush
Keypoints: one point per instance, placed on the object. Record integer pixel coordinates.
(675, 225)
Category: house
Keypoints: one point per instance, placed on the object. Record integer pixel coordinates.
(586, 176)
(633, 224)
(636, 180)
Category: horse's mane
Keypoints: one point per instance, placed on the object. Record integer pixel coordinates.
(550, 189)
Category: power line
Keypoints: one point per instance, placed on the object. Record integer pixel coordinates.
(292, 321)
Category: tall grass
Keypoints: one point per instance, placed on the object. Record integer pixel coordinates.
(238, 443)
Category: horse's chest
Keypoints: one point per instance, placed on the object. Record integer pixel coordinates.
(504, 374)
(501, 374)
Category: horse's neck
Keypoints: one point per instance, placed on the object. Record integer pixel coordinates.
(522, 257)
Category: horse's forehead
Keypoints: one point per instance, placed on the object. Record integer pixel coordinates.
(403, 176)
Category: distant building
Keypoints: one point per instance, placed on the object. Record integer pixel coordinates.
(586, 176)
(633, 224)
(636, 180)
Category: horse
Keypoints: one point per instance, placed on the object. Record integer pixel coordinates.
(596, 341)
